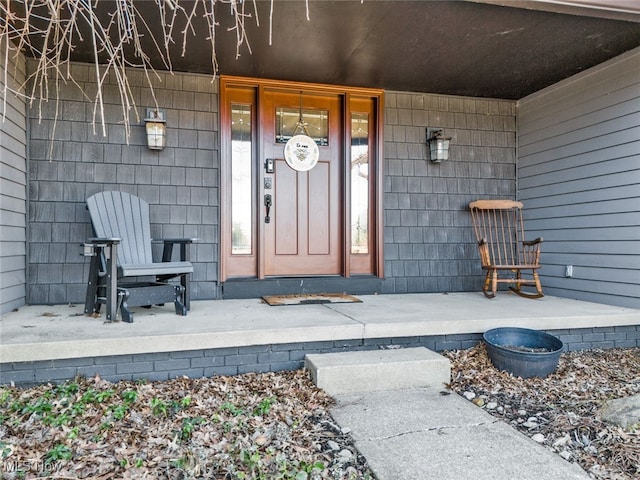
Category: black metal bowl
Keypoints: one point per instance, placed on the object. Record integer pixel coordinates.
(523, 352)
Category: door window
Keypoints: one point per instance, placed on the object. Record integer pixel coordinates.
(316, 123)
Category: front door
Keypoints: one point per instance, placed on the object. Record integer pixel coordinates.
(303, 228)
(284, 218)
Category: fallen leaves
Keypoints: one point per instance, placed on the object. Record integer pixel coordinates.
(277, 425)
(560, 411)
(271, 425)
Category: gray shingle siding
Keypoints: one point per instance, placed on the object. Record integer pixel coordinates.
(13, 185)
(579, 177)
(428, 245)
(428, 242)
(428, 238)
(179, 182)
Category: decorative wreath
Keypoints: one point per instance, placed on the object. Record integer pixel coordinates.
(301, 153)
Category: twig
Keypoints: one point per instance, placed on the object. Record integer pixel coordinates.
(51, 30)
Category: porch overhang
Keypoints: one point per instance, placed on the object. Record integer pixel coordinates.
(491, 48)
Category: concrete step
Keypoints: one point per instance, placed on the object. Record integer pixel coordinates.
(375, 370)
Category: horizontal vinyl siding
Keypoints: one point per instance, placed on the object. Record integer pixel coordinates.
(579, 178)
(13, 181)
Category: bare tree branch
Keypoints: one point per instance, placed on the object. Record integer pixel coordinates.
(51, 30)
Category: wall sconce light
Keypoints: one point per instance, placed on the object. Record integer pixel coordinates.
(156, 127)
(438, 144)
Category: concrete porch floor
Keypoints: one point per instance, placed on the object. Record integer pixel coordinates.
(41, 332)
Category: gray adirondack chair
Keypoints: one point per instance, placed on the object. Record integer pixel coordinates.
(122, 272)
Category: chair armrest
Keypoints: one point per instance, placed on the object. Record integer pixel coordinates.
(174, 240)
(94, 246)
(532, 242)
(107, 241)
(167, 251)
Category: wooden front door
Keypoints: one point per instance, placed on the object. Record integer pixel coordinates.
(303, 232)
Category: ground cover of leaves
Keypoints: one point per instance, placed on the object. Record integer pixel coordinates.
(252, 426)
(278, 426)
(561, 411)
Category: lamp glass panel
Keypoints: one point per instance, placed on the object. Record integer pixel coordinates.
(443, 149)
(156, 135)
(439, 149)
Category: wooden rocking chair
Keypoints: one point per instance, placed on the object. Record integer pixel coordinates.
(499, 230)
(122, 272)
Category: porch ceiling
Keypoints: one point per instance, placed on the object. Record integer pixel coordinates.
(484, 48)
(475, 48)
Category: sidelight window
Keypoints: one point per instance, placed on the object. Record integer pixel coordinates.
(360, 183)
(241, 180)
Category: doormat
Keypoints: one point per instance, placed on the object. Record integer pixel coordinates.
(310, 299)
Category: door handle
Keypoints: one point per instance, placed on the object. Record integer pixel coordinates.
(268, 165)
(267, 203)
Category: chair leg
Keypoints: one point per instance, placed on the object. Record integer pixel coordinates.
(185, 281)
(494, 282)
(112, 284)
(536, 279)
(518, 288)
(91, 304)
(490, 282)
(181, 308)
(125, 313)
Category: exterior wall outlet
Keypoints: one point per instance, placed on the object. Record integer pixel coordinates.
(568, 271)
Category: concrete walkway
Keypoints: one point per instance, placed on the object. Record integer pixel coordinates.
(420, 434)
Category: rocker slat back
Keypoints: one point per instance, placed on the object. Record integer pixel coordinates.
(498, 225)
(124, 216)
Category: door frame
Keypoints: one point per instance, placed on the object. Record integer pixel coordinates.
(376, 96)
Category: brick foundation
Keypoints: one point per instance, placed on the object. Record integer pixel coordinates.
(276, 357)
